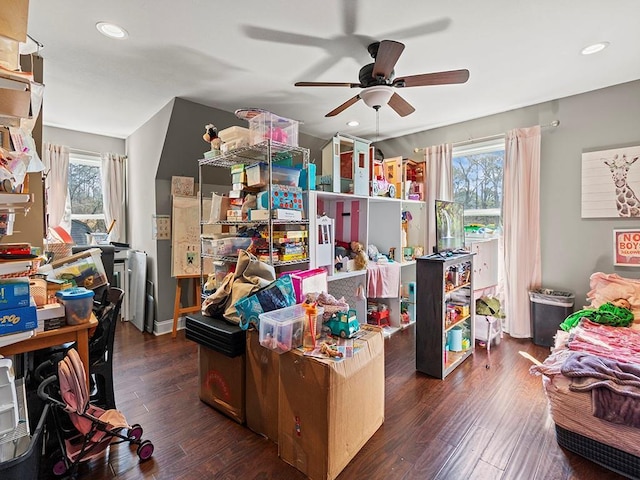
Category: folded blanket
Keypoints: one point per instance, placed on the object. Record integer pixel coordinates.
(615, 386)
(620, 344)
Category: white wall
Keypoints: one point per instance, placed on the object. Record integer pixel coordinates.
(144, 149)
(83, 141)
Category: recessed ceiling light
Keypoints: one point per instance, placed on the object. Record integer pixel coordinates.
(112, 30)
(595, 48)
(353, 123)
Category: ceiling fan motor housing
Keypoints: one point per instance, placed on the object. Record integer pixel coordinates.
(366, 77)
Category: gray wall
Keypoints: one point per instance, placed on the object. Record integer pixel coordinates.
(572, 248)
(182, 148)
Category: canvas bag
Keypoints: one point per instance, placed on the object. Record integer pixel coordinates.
(250, 276)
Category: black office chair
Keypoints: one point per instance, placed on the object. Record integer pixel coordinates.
(107, 311)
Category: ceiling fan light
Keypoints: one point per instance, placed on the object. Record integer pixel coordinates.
(353, 123)
(376, 96)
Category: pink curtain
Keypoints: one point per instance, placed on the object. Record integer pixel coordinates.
(439, 184)
(56, 164)
(113, 194)
(521, 219)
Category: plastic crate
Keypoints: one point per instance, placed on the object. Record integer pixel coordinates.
(281, 330)
(268, 126)
(225, 246)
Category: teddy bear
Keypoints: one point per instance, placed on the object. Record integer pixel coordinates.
(211, 136)
(360, 259)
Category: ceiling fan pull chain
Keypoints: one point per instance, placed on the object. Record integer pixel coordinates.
(377, 124)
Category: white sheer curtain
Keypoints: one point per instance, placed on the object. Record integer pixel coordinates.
(439, 171)
(521, 205)
(56, 163)
(113, 189)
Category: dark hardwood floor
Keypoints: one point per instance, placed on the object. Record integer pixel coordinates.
(477, 423)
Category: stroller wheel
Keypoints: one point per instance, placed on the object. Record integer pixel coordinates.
(60, 467)
(135, 432)
(145, 450)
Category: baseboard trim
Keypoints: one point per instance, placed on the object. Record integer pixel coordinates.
(166, 326)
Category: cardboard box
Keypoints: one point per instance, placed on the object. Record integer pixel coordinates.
(258, 215)
(328, 409)
(282, 196)
(262, 388)
(14, 293)
(15, 97)
(222, 382)
(281, 214)
(18, 320)
(14, 19)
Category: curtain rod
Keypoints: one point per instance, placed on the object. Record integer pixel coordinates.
(83, 152)
(554, 124)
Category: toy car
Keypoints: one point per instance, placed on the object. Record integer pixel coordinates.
(344, 324)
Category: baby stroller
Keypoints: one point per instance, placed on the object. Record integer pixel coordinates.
(94, 429)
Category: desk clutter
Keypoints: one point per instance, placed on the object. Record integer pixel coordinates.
(36, 296)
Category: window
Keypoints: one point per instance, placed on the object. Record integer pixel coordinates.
(85, 195)
(477, 183)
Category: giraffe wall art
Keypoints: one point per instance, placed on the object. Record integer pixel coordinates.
(611, 183)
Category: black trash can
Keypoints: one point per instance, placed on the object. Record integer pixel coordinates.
(549, 308)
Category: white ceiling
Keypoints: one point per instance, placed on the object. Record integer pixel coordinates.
(249, 53)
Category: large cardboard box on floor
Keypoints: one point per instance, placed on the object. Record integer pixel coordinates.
(222, 382)
(261, 401)
(329, 409)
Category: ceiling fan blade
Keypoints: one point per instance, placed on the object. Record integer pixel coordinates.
(343, 107)
(388, 54)
(400, 105)
(437, 78)
(326, 84)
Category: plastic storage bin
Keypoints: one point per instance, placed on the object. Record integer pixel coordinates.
(549, 308)
(225, 246)
(281, 330)
(78, 304)
(8, 398)
(21, 451)
(268, 126)
(233, 137)
(84, 269)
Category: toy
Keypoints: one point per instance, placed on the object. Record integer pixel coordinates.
(328, 350)
(211, 136)
(379, 184)
(360, 255)
(344, 324)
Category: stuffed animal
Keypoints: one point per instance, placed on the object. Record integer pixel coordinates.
(360, 259)
(211, 136)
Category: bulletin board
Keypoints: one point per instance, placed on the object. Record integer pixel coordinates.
(185, 236)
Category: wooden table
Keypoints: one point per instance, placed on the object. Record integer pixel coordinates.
(51, 338)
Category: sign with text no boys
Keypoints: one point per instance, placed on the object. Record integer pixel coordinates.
(626, 248)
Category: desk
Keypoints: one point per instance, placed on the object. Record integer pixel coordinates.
(70, 333)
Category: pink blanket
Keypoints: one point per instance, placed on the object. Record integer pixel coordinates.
(383, 280)
(606, 287)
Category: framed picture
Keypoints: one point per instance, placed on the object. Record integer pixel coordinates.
(611, 183)
(626, 248)
(182, 186)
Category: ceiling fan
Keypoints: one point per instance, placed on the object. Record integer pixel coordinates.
(377, 80)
